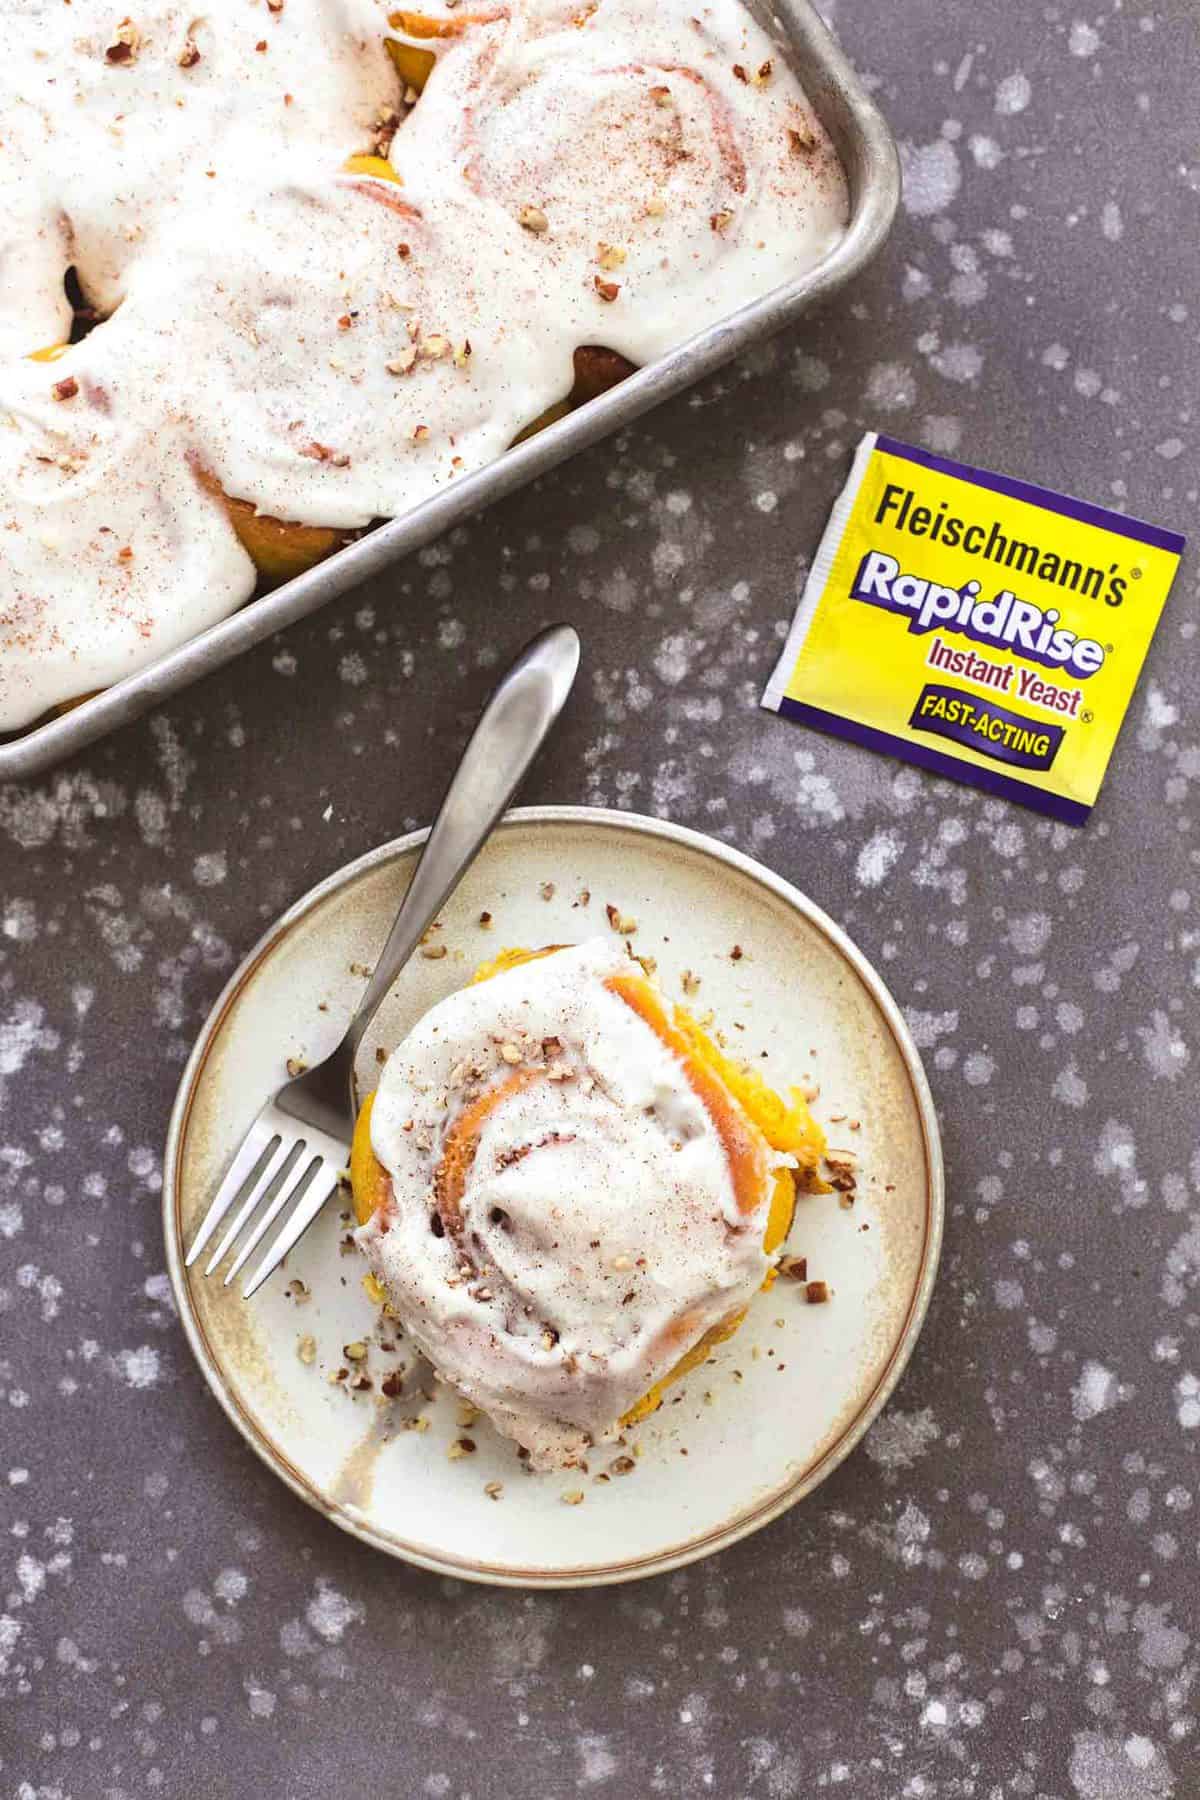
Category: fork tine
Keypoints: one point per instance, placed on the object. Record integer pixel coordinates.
(303, 1214)
(287, 1190)
(245, 1164)
(276, 1167)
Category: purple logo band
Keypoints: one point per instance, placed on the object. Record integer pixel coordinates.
(994, 731)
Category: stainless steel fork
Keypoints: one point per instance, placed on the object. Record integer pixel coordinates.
(290, 1160)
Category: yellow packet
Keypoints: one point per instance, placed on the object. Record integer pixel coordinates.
(981, 627)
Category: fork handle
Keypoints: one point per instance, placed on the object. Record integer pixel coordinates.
(514, 725)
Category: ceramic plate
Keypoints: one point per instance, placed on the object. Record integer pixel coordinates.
(746, 1435)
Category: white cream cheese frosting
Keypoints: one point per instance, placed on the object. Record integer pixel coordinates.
(335, 348)
(564, 1221)
(111, 124)
(663, 155)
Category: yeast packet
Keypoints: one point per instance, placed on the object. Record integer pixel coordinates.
(981, 627)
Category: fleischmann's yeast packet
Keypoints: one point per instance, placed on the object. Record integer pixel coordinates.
(981, 627)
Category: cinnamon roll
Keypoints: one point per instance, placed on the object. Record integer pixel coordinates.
(663, 162)
(569, 1195)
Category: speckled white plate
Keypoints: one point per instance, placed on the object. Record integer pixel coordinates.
(745, 1436)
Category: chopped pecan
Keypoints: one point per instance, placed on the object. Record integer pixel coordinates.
(127, 41)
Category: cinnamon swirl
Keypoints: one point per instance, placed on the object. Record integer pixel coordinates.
(567, 1193)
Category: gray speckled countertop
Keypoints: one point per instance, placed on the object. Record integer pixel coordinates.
(998, 1595)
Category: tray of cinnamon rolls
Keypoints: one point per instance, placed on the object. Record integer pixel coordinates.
(287, 290)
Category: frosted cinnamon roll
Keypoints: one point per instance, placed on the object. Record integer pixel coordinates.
(112, 549)
(113, 122)
(567, 1193)
(345, 359)
(662, 160)
(363, 343)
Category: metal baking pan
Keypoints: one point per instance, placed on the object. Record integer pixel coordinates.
(868, 155)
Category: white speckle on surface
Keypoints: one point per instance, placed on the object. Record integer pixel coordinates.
(1013, 94)
(1070, 1087)
(1096, 1391)
(969, 288)
(913, 1531)
(1158, 715)
(10, 1631)
(21, 1033)
(1164, 1051)
(877, 858)
(932, 177)
(259, 1699)
(19, 921)
(898, 1439)
(31, 1575)
(1187, 1401)
(330, 1613)
(978, 1068)
(138, 1368)
(158, 1289)
(958, 362)
(985, 151)
(1083, 39)
(210, 868)
(928, 1027)
(916, 285)
(1111, 223)
(673, 662)
(891, 387)
(231, 1586)
(1029, 933)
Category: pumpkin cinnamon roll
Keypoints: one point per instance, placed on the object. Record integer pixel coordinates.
(661, 161)
(569, 1195)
